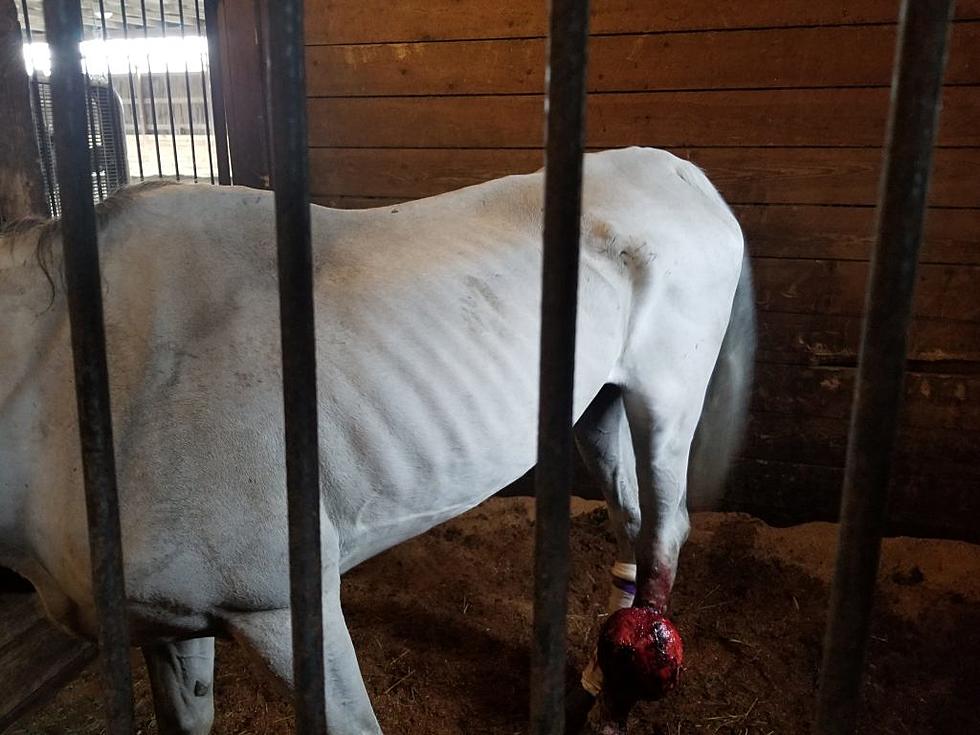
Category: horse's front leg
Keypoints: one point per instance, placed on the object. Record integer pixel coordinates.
(182, 681)
(267, 636)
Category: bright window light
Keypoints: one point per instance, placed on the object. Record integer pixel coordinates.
(120, 55)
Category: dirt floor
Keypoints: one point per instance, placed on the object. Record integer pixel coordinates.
(441, 626)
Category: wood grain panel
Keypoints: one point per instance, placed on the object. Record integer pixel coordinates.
(822, 339)
(822, 176)
(932, 500)
(847, 233)
(946, 401)
(372, 21)
(828, 176)
(791, 57)
(823, 441)
(838, 287)
(818, 117)
(37, 662)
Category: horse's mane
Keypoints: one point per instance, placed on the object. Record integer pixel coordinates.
(45, 231)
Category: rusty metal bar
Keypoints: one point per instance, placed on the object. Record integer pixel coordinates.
(216, 77)
(292, 194)
(84, 287)
(568, 40)
(916, 89)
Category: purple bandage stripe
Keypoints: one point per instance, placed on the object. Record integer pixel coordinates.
(624, 585)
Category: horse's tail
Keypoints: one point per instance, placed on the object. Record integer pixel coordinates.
(726, 404)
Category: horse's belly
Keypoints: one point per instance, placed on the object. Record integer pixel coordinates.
(439, 410)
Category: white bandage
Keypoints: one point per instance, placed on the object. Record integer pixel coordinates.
(621, 595)
(623, 586)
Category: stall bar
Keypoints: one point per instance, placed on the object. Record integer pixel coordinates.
(567, 47)
(83, 282)
(291, 182)
(916, 88)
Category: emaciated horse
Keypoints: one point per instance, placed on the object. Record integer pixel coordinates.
(427, 332)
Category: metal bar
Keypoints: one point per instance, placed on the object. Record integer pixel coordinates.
(84, 288)
(217, 91)
(204, 92)
(40, 122)
(187, 84)
(153, 99)
(170, 97)
(568, 39)
(292, 195)
(132, 85)
(916, 89)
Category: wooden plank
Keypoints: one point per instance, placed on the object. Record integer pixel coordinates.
(243, 69)
(838, 287)
(345, 202)
(820, 176)
(815, 117)
(412, 173)
(758, 59)
(931, 400)
(372, 21)
(18, 613)
(936, 501)
(952, 236)
(35, 664)
(828, 176)
(820, 339)
(821, 440)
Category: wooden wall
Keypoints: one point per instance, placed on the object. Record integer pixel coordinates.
(784, 105)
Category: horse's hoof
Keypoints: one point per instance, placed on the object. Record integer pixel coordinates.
(640, 654)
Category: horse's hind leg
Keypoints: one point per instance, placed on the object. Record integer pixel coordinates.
(662, 425)
(603, 439)
(182, 681)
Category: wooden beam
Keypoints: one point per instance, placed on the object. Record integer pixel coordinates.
(21, 185)
(243, 74)
(36, 659)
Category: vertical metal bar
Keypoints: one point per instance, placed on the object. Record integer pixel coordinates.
(132, 85)
(916, 90)
(187, 84)
(40, 121)
(204, 92)
(84, 288)
(292, 194)
(153, 99)
(217, 92)
(568, 39)
(170, 96)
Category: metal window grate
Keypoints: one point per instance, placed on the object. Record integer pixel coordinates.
(106, 141)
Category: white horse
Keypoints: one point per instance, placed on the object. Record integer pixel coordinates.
(427, 332)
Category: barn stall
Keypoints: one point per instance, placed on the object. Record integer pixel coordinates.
(784, 106)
